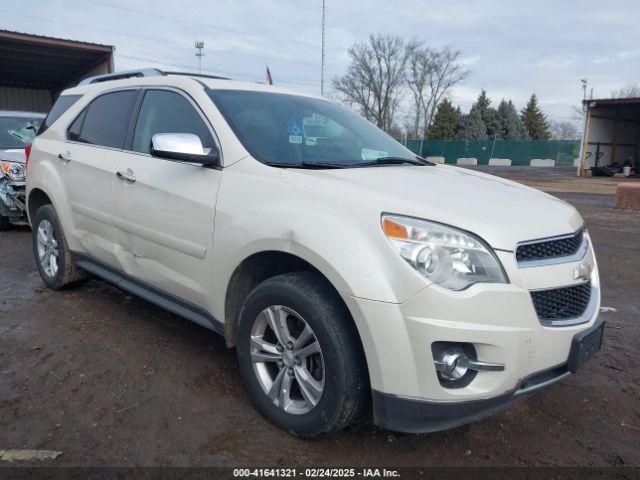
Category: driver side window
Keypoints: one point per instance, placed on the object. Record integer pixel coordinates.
(163, 111)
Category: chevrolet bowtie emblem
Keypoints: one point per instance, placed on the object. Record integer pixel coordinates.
(583, 271)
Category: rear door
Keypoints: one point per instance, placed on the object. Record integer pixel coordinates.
(86, 163)
(164, 210)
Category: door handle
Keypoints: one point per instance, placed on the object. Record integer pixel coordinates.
(65, 157)
(127, 176)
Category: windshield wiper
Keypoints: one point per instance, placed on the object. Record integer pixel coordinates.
(377, 162)
(308, 165)
(392, 161)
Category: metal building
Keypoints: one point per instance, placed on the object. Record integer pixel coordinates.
(611, 134)
(35, 69)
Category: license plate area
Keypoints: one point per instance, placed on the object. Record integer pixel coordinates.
(585, 345)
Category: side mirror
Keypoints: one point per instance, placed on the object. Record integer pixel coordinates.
(182, 147)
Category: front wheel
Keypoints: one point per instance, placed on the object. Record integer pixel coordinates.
(300, 356)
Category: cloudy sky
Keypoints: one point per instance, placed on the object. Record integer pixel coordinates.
(513, 48)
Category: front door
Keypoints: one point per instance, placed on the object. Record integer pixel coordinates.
(164, 210)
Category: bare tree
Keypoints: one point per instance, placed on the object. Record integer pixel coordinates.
(564, 130)
(431, 73)
(628, 91)
(374, 79)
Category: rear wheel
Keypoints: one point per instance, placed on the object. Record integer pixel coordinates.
(51, 251)
(300, 356)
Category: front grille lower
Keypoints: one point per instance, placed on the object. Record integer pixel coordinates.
(547, 249)
(562, 303)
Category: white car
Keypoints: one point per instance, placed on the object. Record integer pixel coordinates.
(342, 268)
(17, 130)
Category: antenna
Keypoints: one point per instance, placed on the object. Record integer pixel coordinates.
(322, 68)
(199, 53)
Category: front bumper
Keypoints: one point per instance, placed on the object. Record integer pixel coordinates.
(12, 201)
(415, 416)
(500, 322)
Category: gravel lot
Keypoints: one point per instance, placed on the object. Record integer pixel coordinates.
(109, 379)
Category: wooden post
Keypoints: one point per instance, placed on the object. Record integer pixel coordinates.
(636, 150)
(614, 142)
(585, 141)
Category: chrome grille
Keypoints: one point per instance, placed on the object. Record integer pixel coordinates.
(549, 249)
(562, 303)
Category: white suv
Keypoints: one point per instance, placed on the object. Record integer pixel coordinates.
(342, 268)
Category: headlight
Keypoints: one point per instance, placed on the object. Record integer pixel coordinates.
(13, 170)
(449, 257)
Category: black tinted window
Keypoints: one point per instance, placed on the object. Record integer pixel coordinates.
(163, 111)
(106, 120)
(63, 104)
(73, 132)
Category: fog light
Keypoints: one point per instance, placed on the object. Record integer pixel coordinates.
(457, 363)
(452, 366)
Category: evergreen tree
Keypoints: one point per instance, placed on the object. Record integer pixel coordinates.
(492, 121)
(535, 121)
(459, 131)
(511, 126)
(473, 127)
(445, 122)
(489, 115)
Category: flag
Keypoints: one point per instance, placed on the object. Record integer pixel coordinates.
(269, 79)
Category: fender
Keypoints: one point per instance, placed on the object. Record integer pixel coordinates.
(354, 256)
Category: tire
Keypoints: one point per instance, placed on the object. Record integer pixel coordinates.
(5, 224)
(64, 272)
(339, 367)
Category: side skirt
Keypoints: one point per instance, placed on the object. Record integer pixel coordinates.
(147, 292)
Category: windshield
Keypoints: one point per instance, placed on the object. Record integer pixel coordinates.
(18, 132)
(289, 130)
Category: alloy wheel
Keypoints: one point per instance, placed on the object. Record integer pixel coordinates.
(287, 359)
(47, 248)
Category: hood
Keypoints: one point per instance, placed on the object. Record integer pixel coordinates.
(500, 211)
(13, 155)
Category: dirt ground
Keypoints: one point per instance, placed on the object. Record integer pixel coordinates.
(109, 379)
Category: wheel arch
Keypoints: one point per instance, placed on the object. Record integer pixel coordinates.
(251, 271)
(37, 198)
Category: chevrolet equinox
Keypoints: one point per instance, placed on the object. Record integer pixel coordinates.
(345, 270)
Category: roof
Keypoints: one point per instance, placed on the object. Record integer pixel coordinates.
(600, 102)
(35, 61)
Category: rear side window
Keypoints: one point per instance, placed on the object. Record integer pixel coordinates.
(163, 111)
(63, 104)
(105, 120)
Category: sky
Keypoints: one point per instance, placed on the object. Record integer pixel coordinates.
(512, 48)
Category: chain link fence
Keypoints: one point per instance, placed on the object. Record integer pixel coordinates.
(520, 152)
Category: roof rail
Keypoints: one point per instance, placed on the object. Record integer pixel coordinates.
(144, 72)
(191, 74)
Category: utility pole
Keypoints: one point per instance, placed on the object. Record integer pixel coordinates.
(199, 53)
(322, 68)
(585, 134)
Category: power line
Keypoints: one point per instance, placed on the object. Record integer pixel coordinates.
(198, 24)
(244, 76)
(151, 39)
